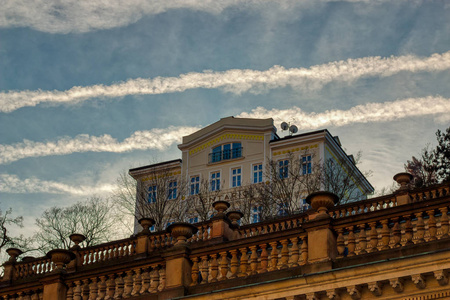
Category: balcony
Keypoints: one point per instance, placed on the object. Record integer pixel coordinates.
(390, 247)
(227, 154)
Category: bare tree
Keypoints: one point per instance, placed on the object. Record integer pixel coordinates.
(92, 218)
(200, 203)
(423, 168)
(7, 220)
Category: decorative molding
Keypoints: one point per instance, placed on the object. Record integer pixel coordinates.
(375, 288)
(333, 294)
(397, 284)
(441, 277)
(419, 281)
(161, 176)
(227, 136)
(296, 149)
(354, 291)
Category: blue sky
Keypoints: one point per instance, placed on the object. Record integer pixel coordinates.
(91, 88)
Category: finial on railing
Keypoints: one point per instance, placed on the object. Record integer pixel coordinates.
(76, 238)
(60, 257)
(146, 223)
(322, 201)
(403, 179)
(13, 254)
(221, 206)
(235, 216)
(182, 231)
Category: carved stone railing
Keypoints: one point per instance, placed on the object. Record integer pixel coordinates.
(403, 226)
(106, 252)
(33, 267)
(276, 225)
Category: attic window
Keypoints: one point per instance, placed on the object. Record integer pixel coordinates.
(225, 152)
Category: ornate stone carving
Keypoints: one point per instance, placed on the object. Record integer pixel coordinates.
(397, 284)
(354, 291)
(375, 288)
(312, 296)
(333, 294)
(441, 277)
(419, 281)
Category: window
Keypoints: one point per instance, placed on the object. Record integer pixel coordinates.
(257, 173)
(172, 192)
(195, 185)
(256, 214)
(283, 209)
(152, 194)
(226, 151)
(303, 205)
(236, 177)
(306, 164)
(283, 168)
(193, 220)
(215, 181)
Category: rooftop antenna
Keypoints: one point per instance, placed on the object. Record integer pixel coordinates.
(287, 126)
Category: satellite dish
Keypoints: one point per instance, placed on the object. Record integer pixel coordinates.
(293, 129)
(284, 126)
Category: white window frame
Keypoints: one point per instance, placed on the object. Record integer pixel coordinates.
(214, 183)
(232, 185)
(306, 163)
(257, 174)
(194, 185)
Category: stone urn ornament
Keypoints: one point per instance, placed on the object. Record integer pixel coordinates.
(235, 216)
(60, 257)
(13, 253)
(76, 238)
(221, 206)
(146, 223)
(321, 202)
(182, 231)
(403, 179)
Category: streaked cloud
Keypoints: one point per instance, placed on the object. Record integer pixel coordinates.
(159, 139)
(236, 81)
(13, 184)
(162, 139)
(371, 112)
(67, 16)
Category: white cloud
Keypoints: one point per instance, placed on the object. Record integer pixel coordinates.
(371, 112)
(236, 81)
(162, 139)
(140, 140)
(55, 16)
(14, 185)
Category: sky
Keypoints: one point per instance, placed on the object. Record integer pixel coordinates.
(89, 89)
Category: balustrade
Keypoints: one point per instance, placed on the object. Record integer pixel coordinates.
(393, 232)
(249, 260)
(32, 267)
(107, 252)
(135, 282)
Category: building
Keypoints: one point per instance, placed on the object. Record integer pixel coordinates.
(391, 247)
(223, 158)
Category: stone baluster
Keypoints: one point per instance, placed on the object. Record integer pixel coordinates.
(264, 258)
(69, 295)
(243, 263)
(110, 287)
(77, 290)
(119, 286)
(128, 281)
(284, 254)
(234, 264)
(362, 239)
(420, 227)
(154, 280)
(145, 281)
(204, 268)
(351, 245)
(223, 265)
(102, 288)
(214, 268)
(432, 225)
(93, 289)
(304, 251)
(137, 282)
(294, 253)
(273, 257)
(444, 222)
(340, 242)
(385, 234)
(408, 230)
(194, 271)
(253, 260)
(162, 279)
(373, 237)
(396, 232)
